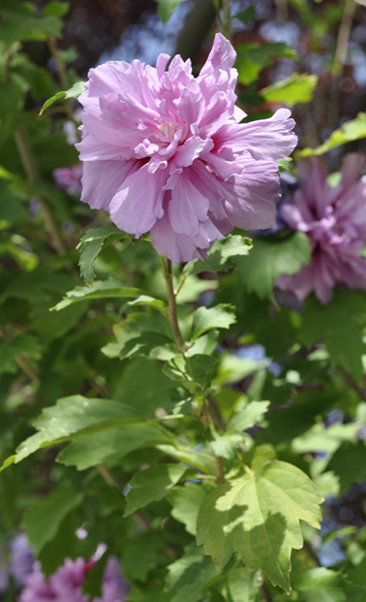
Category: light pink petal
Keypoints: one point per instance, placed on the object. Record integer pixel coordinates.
(188, 207)
(251, 200)
(138, 203)
(161, 64)
(191, 150)
(264, 139)
(222, 56)
(351, 169)
(102, 179)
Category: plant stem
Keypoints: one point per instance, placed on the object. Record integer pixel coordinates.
(52, 45)
(226, 18)
(339, 59)
(220, 472)
(34, 177)
(265, 593)
(22, 363)
(172, 307)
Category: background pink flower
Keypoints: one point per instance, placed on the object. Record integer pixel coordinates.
(66, 584)
(164, 151)
(334, 218)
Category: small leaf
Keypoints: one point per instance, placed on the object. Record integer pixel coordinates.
(271, 257)
(247, 15)
(189, 576)
(297, 88)
(220, 316)
(195, 373)
(113, 444)
(252, 58)
(73, 416)
(102, 289)
(42, 518)
(350, 131)
(186, 501)
(349, 464)
(166, 8)
(324, 584)
(237, 517)
(91, 245)
(340, 325)
(151, 485)
(219, 256)
(56, 9)
(71, 93)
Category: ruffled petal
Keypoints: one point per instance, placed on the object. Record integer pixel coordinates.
(138, 203)
(102, 179)
(251, 199)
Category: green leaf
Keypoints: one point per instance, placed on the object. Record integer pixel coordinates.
(20, 345)
(246, 416)
(195, 373)
(324, 585)
(102, 289)
(20, 22)
(349, 464)
(75, 416)
(190, 575)
(252, 58)
(42, 519)
(297, 88)
(219, 257)
(151, 485)
(142, 554)
(185, 502)
(233, 368)
(114, 444)
(166, 8)
(140, 334)
(242, 585)
(339, 325)
(56, 8)
(322, 439)
(65, 544)
(70, 94)
(258, 516)
(271, 257)
(349, 132)
(91, 245)
(220, 316)
(247, 15)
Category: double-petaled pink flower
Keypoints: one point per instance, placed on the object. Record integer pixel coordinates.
(334, 219)
(164, 152)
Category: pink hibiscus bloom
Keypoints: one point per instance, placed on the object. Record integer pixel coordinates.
(334, 218)
(66, 584)
(164, 152)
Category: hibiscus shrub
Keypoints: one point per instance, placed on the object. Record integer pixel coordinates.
(182, 359)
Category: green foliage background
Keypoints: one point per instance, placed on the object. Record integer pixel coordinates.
(203, 471)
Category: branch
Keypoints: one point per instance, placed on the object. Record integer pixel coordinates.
(172, 307)
(34, 177)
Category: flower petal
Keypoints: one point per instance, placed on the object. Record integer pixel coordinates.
(102, 179)
(138, 203)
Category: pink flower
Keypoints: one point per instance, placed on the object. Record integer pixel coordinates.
(69, 179)
(334, 218)
(66, 584)
(164, 151)
(114, 587)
